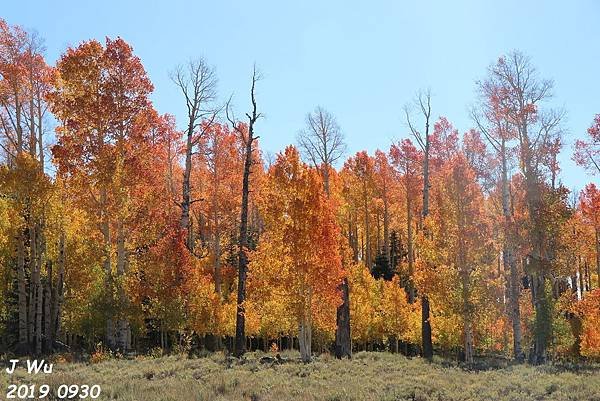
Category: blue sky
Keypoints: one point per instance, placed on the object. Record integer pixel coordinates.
(361, 60)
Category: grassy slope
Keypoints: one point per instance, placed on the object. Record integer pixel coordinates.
(369, 376)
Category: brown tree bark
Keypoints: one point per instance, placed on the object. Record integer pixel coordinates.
(343, 339)
(240, 321)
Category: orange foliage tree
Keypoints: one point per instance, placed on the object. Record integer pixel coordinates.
(589, 311)
(298, 253)
(590, 209)
(111, 153)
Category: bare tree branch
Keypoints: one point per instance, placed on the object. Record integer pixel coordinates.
(197, 82)
(322, 141)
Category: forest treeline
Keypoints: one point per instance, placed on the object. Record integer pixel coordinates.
(120, 226)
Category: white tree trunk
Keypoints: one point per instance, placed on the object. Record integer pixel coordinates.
(305, 339)
(40, 243)
(123, 329)
(22, 288)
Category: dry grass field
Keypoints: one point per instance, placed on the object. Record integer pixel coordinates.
(369, 376)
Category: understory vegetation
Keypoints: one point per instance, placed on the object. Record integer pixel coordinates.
(368, 376)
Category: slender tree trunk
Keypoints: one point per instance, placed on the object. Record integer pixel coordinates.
(510, 262)
(217, 261)
(352, 238)
(41, 250)
(356, 247)
(58, 290)
(426, 183)
(123, 329)
(48, 336)
(464, 271)
(588, 275)
(305, 339)
(185, 222)
(22, 295)
(240, 320)
(352, 229)
(425, 309)
(216, 239)
(386, 228)
(580, 280)
(410, 250)
(106, 264)
(368, 258)
(38, 315)
(32, 284)
(18, 127)
(32, 132)
(240, 326)
(378, 238)
(40, 131)
(326, 176)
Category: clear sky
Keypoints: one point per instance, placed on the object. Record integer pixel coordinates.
(360, 60)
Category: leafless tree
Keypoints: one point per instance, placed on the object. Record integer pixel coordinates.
(248, 138)
(322, 141)
(197, 83)
(423, 104)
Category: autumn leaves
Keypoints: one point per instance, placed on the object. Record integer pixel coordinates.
(298, 258)
(149, 236)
